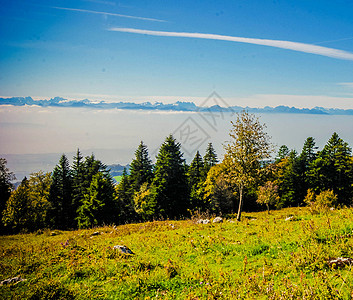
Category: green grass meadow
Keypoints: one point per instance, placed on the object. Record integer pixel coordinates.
(264, 256)
(118, 178)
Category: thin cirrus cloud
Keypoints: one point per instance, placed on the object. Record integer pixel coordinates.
(346, 84)
(295, 46)
(108, 14)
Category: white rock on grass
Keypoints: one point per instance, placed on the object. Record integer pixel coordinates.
(217, 220)
(123, 249)
(203, 221)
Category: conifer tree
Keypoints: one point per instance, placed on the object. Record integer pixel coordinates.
(140, 168)
(60, 195)
(91, 167)
(333, 170)
(98, 206)
(78, 185)
(169, 186)
(210, 158)
(124, 194)
(196, 176)
(283, 153)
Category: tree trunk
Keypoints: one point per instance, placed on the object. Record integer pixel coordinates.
(240, 203)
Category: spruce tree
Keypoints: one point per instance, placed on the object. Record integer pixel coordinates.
(95, 178)
(98, 206)
(78, 185)
(124, 194)
(283, 153)
(210, 158)
(196, 176)
(169, 186)
(140, 168)
(333, 170)
(60, 195)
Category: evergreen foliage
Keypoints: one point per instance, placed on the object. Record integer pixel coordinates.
(169, 186)
(84, 195)
(140, 168)
(124, 196)
(79, 186)
(333, 170)
(210, 158)
(60, 195)
(98, 206)
(196, 177)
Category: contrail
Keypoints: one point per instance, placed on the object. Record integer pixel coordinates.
(108, 14)
(295, 46)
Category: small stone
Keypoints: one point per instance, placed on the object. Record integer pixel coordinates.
(203, 221)
(123, 249)
(217, 220)
(289, 218)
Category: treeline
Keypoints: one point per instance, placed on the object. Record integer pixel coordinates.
(84, 195)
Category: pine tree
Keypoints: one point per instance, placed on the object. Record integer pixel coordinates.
(308, 154)
(98, 206)
(91, 167)
(283, 153)
(78, 185)
(140, 168)
(60, 195)
(196, 176)
(169, 186)
(333, 170)
(210, 158)
(124, 194)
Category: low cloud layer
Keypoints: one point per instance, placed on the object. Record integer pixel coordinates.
(295, 46)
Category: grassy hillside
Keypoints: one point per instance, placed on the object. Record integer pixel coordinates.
(262, 257)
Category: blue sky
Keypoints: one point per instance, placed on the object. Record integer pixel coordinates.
(87, 49)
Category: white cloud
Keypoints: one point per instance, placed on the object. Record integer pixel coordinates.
(108, 14)
(295, 46)
(346, 84)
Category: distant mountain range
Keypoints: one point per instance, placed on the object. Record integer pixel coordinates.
(159, 106)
